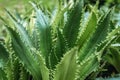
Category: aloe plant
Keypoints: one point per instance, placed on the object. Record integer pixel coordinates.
(56, 46)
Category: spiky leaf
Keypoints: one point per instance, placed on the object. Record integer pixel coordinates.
(3, 56)
(66, 69)
(72, 25)
(43, 25)
(27, 57)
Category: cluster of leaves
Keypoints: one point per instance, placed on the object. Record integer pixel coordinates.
(59, 44)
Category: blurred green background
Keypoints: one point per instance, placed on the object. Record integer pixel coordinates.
(19, 5)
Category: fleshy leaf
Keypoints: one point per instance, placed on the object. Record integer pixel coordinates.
(66, 69)
(44, 30)
(3, 56)
(28, 59)
(72, 25)
(21, 29)
(88, 29)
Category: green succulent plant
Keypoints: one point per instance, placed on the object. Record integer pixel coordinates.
(55, 46)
